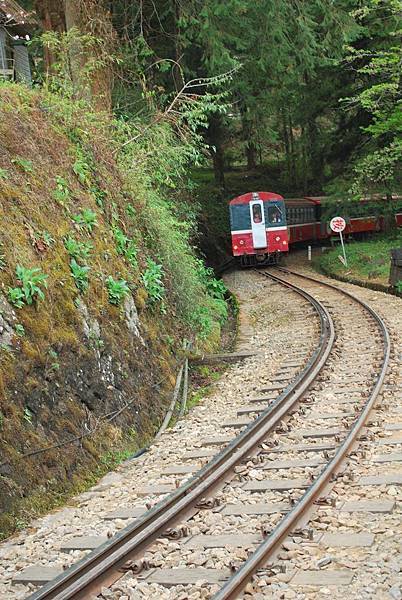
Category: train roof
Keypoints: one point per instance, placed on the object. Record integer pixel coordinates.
(264, 196)
(302, 202)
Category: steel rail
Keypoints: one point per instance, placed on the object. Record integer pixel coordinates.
(102, 567)
(236, 584)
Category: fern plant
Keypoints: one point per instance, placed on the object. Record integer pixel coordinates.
(80, 275)
(117, 290)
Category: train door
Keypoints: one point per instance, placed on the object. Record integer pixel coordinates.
(258, 224)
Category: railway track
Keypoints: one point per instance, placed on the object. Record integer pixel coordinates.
(272, 428)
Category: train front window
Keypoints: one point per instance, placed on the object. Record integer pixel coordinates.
(275, 214)
(257, 213)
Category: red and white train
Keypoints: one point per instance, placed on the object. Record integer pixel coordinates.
(258, 226)
(264, 224)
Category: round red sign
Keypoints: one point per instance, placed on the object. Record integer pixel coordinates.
(337, 224)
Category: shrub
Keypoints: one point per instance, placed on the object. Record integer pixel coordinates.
(117, 290)
(30, 289)
(80, 275)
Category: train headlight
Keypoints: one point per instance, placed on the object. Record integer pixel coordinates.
(284, 243)
(235, 247)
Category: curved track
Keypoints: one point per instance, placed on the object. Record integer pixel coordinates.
(263, 553)
(107, 564)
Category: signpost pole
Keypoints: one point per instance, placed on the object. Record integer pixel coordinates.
(343, 249)
(337, 225)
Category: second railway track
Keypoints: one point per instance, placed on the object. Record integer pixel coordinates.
(300, 436)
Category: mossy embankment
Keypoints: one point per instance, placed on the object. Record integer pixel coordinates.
(368, 261)
(99, 285)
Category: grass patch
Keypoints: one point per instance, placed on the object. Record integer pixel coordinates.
(368, 261)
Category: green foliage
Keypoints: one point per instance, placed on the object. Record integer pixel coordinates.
(216, 288)
(3, 173)
(78, 250)
(99, 196)
(62, 192)
(125, 247)
(32, 281)
(121, 240)
(16, 297)
(152, 280)
(86, 219)
(398, 286)
(117, 290)
(80, 275)
(378, 67)
(55, 365)
(27, 415)
(82, 169)
(19, 330)
(378, 171)
(25, 165)
(77, 57)
(1, 420)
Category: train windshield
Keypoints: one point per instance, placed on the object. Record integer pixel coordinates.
(257, 213)
(276, 214)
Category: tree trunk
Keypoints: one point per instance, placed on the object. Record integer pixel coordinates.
(91, 66)
(287, 145)
(251, 152)
(52, 18)
(293, 175)
(389, 214)
(215, 139)
(250, 147)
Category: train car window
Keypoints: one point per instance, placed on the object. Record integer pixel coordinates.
(240, 217)
(275, 214)
(257, 213)
(293, 216)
